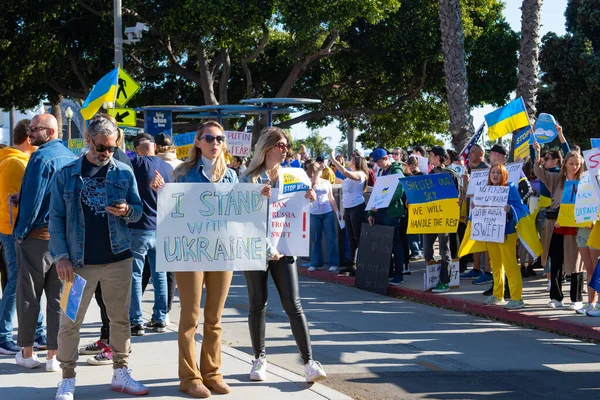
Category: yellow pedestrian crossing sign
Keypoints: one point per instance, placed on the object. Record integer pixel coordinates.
(124, 116)
(126, 88)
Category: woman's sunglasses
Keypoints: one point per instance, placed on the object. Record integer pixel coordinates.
(283, 146)
(211, 138)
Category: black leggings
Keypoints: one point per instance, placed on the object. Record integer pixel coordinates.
(285, 277)
(105, 330)
(354, 218)
(556, 271)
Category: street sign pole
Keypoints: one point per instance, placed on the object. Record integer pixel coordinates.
(118, 34)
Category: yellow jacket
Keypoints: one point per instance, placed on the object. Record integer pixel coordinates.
(12, 169)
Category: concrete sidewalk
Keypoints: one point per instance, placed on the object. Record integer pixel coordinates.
(153, 362)
(468, 298)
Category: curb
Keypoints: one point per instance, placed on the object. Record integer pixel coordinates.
(470, 307)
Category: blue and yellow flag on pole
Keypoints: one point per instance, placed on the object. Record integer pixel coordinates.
(105, 90)
(507, 119)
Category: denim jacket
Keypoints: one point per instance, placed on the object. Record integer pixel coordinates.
(67, 222)
(34, 205)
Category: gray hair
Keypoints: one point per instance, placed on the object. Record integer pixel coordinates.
(102, 124)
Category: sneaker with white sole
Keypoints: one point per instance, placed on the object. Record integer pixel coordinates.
(334, 269)
(93, 348)
(40, 343)
(576, 306)
(66, 389)
(312, 269)
(124, 383)
(9, 348)
(259, 369)
(595, 312)
(105, 357)
(31, 362)
(515, 305)
(314, 372)
(52, 365)
(494, 301)
(555, 304)
(585, 309)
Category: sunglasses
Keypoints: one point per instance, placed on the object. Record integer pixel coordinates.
(396, 154)
(102, 148)
(37, 128)
(283, 146)
(211, 138)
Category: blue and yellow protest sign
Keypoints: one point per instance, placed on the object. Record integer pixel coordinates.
(522, 142)
(292, 180)
(566, 214)
(545, 129)
(432, 203)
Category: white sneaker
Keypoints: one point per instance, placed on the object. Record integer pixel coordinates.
(555, 304)
(334, 269)
(31, 362)
(259, 369)
(576, 306)
(52, 365)
(548, 287)
(167, 320)
(66, 389)
(314, 372)
(584, 310)
(311, 269)
(123, 382)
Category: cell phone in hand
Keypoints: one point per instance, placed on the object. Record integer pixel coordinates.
(115, 203)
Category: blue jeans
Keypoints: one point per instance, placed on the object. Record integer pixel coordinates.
(143, 242)
(381, 218)
(414, 244)
(319, 224)
(8, 304)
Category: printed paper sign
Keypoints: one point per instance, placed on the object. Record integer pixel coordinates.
(514, 171)
(478, 178)
(383, 191)
(592, 161)
(211, 227)
(239, 143)
(292, 180)
(586, 204)
(491, 196)
(431, 277)
(488, 224)
(289, 224)
(423, 164)
(71, 297)
(566, 213)
(432, 203)
(545, 129)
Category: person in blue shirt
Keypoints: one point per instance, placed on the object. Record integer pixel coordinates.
(36, 271)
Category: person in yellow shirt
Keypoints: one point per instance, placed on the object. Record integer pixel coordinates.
(327, 173)
(13, 161)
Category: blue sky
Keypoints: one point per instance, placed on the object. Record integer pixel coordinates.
(552, 20)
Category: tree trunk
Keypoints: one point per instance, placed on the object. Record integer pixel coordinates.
(55, 100)
(455, 71)
(529, 54)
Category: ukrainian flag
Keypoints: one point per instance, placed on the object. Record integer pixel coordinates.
(104, 90)
(507, 119)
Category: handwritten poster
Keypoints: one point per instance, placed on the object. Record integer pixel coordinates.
(211, 227)
(292, 180)
(488, 224)
(514, 171)
(289, 224)
(522, 142)
(432, 203)
(431, 276)
(491, 196)
(592, 162)
(383, 191)
(586, 204)
(566, 213)
(478, 178)
(183, 142)
(239, 143)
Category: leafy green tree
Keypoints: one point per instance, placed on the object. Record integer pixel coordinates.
(315, 144)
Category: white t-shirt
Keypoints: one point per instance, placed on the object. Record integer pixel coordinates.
(352, 191)
(321, 205)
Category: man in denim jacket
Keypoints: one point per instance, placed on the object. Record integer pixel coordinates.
(36, 272)
(93, 200)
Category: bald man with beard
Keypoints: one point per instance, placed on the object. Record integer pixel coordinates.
(36, 271)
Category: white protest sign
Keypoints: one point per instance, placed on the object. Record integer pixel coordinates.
(383, 191)
(514, 171)
(491, 196)
(586, 204)
(292, 180)
(423, 164)
(211, 227)
(478, 178)
(239, 143)
(289, 224)
(431, 277)
(488, 224)
(459, 169)
(592, 161)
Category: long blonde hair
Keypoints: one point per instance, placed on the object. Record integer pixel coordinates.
(563, 169)
(195, 153)
(269, 137)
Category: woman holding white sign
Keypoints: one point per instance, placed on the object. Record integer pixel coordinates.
(503, 257)
(560, 243)
(269, 152)
(205, 163)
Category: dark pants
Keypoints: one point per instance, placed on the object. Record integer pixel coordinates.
(3, 269)
(398, 253)
(105, 330)
(146, 275)
(285, 277)
(556, 266)
(354, 218)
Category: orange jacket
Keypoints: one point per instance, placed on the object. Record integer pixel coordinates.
(12, 169)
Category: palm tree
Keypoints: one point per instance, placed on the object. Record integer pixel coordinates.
(455, 71)
(529, 54)
(316, 144)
